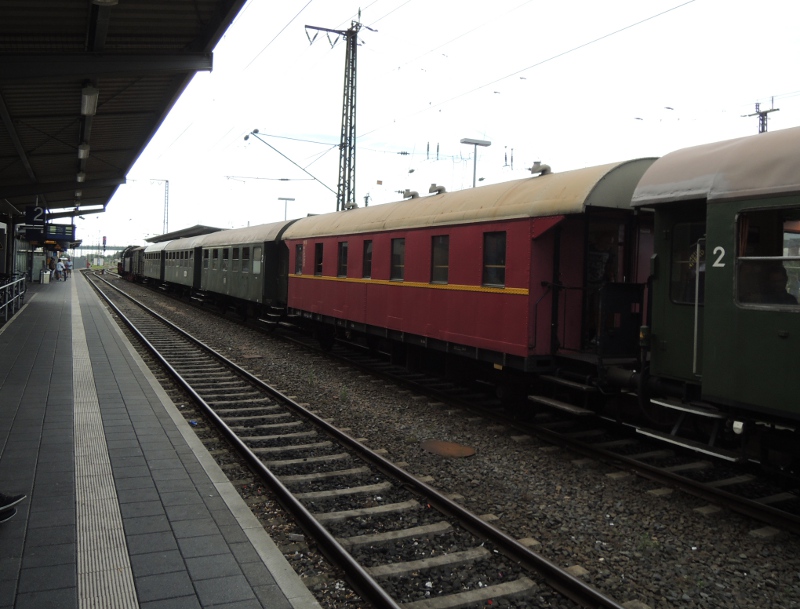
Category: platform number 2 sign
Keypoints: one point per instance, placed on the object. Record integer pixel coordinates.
(34, 215)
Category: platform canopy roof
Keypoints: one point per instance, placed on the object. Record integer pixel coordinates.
(184, 233)
(84, 86)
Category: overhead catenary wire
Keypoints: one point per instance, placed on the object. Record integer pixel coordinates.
(535, 65)
(255, 135)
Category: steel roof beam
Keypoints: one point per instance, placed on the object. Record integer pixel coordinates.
(71, 204)
(14, 136)
(32, 68)
(24, 190)
(72, 214)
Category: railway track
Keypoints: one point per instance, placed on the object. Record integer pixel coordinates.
(741, 487)
(392, 534)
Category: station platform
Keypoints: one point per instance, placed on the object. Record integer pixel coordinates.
(125, 507)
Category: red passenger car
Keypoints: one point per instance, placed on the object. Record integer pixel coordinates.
(512, 275)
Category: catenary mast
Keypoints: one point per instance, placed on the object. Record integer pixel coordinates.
(346, 195)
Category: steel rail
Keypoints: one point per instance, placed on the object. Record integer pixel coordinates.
(742, 505)
(358, 577)
(747, 507)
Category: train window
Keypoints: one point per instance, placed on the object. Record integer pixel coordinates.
(214, 259)
(366, 264)
(688, 263)
(256, 260)
(398, 270)
(494, 259)
(768, 257)
(235, 260)
(205, 259)
(342, 266)
(298, 259)
(225, 253)
(440, 259)
(245, 260)
(318, 258)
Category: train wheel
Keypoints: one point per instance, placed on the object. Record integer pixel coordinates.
(511, 393)
(326, 336)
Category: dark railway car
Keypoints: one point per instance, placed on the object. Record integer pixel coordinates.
(726, 281)
(130, 262)
(121, 262)
(246, 265)
(154, 261)
(512, 276)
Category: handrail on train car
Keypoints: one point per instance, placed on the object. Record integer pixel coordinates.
(12, 295)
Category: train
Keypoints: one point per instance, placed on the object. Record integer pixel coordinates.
(662, 290)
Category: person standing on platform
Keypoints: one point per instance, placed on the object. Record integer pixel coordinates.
(51, 264)
(7, 503)
(68, 267)
(60, 271)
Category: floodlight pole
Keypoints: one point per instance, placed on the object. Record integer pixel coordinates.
(475, 144)
(285, 204)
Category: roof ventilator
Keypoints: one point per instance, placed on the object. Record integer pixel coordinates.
(541, 169)
(410, 194)
(437, 189)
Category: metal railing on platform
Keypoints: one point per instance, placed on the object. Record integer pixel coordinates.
(12, 295)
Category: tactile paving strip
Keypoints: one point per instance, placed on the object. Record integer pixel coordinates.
(105, 579)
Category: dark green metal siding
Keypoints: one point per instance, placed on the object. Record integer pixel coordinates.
(752, 354)
(673, 323)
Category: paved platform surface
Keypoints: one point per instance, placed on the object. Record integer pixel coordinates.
(125, 507)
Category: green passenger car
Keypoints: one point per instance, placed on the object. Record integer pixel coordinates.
(725, 322)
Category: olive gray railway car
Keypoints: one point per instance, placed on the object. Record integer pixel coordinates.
(182, 262)
(249, 263)
(154, 261)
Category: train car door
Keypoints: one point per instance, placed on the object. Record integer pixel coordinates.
(678, 271)
(258, 265)
(612, 300)
(753, 329)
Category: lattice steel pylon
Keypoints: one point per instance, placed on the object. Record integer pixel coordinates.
(346, 191)
(165, 225)
(762, 116)
(166, 207)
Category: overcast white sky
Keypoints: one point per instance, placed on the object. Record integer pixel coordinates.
(571, 83)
